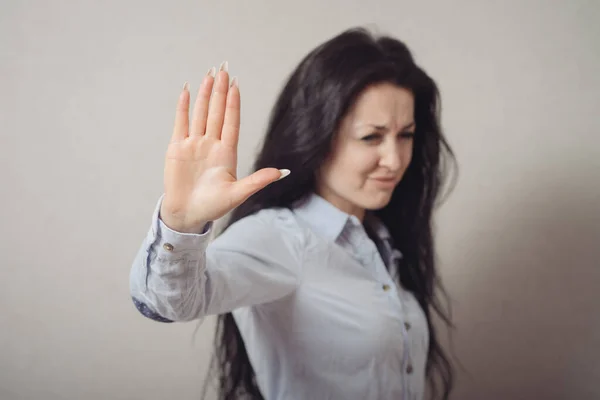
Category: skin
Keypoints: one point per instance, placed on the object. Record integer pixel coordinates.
(201, 161)
(375, 141)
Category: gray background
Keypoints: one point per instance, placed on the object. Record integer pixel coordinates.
(87, 98)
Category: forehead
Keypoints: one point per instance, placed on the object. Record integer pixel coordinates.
(384, 104)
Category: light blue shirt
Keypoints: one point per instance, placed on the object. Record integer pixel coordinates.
(319, 313)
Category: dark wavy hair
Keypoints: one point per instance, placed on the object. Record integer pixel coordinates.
(302, 126)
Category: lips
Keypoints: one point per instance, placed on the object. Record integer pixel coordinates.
(384, 182)
(392, 179)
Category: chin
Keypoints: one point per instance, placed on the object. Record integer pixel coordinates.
(377, 201)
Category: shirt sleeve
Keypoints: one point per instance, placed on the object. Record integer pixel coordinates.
(180, 277)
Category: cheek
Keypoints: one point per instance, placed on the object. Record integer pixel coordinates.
(365, 163)
(407, 152)
(356, 164)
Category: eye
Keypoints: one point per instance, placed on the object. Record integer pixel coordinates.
(372, 137)
(406, 135)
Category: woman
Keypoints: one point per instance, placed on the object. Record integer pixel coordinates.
(324, 282)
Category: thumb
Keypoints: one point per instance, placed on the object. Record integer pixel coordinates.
(251, 184)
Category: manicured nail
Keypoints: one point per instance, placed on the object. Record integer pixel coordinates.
(224, 66)
(284, 173)
(234, 82)
(212, 72)
(186, 86)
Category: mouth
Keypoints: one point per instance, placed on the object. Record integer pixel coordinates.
(385, 182)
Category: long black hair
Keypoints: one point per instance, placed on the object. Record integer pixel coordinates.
(302, 126)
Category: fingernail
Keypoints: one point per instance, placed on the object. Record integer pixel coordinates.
(224, 66)
(284, 173)
(212, 72)
(234, 82)
(186, 86)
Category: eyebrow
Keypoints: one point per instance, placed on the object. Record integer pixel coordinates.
(385, 127)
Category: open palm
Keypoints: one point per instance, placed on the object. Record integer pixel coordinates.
(201, 161)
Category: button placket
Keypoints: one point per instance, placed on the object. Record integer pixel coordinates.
(395, 297)
(406, 326)
(362, 247)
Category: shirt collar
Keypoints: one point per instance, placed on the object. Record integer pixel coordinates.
(329, 221)
(323, 217)
(380, 229)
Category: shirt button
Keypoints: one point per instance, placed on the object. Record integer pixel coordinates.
(407, 325)
(386, 287)
(168, 247)
(409, 369)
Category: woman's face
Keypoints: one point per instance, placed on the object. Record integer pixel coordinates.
(371, 151)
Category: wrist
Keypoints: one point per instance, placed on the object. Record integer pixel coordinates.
(181, 225)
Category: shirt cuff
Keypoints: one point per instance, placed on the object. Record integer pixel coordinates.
(173, 241)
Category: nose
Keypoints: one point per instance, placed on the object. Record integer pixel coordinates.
(390, 158)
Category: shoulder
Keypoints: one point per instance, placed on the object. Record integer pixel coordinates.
(266, 228)
(269, 221)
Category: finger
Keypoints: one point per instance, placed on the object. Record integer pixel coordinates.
(180, 129)
(216, 111)
(201, 105)
(231, 122)
(246, 187)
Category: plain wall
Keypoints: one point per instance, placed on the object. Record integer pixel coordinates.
(87, 98)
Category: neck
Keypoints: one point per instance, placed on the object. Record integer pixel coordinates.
(343, 205)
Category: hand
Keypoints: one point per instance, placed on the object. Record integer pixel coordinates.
(201, 161)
